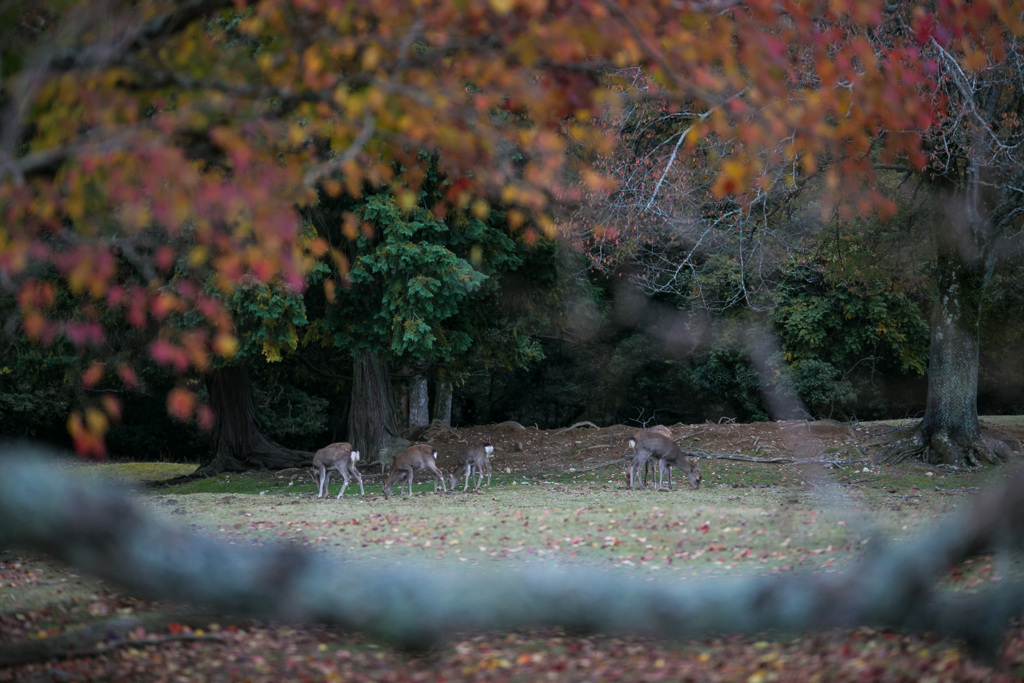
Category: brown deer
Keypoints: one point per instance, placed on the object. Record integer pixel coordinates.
(654, 445)
(413, 459)
(656, 429)
(338, 456)
(690, 467)
(476, 458)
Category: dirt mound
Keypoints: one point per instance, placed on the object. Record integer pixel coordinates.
(527, 449)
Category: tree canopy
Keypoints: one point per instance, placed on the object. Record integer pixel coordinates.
(155, 156)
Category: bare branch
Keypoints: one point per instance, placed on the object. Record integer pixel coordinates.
(321, 170)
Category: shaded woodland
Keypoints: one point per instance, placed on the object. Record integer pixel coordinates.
(234, 232)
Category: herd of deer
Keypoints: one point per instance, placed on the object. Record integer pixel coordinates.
(654, 444)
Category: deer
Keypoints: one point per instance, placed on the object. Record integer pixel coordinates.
(661, 430)
(476, 458)
(338, 456)
(654, 445)
(413, 459)
(691, 467)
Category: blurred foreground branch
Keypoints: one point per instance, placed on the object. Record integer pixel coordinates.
(100, 529)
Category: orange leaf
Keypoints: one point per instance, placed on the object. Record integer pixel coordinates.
(93, 375)
(181, 403)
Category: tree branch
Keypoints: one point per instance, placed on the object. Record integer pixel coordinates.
(158, 27)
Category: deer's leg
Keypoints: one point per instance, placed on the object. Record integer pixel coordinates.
(440, 478)
(359, 478)
(323, 479)
(662, 470)
(639, 461)
(469, 471)
(343, 471)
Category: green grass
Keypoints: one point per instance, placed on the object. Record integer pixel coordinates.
(746, 516)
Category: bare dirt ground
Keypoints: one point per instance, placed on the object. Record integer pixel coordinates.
(530, 450)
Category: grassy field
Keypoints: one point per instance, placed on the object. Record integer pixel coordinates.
(747, 518)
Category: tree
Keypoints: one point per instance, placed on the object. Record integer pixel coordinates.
(267, 320)
(680, 226)
(416, 295)
(141, 134)
(977, 158)
(194, 131)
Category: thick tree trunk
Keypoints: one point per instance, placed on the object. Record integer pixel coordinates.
(239, 443)
(419, 402)
(443, 402)
(950, 432)
(952, 409)
(373, 422)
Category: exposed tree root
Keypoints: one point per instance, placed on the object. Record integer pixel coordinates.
(428, 432)
(940, 448)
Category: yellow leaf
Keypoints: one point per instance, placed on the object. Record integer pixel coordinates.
(515, 218)
(271, 352)
(406, 200)
(96, 421)
(480, 209)
(197, 256)
(225, 345)
(501, 6)
(371, 57)
(313, 61)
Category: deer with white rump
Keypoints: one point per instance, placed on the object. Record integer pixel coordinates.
(666, 452)
(656, 429)
(341, 457)
(413, 459)
(475, 458)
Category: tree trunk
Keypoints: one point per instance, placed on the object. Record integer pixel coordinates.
(419, 400)
(239, 443)
(950, 431)
(443, 401)
(373, 422)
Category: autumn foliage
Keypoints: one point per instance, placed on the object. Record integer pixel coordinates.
(153, 155)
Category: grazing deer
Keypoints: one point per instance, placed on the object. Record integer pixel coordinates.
(475, 458)
(338, 456)
(655, 445)
(660, 430)
(691, 467)
(416, 458)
